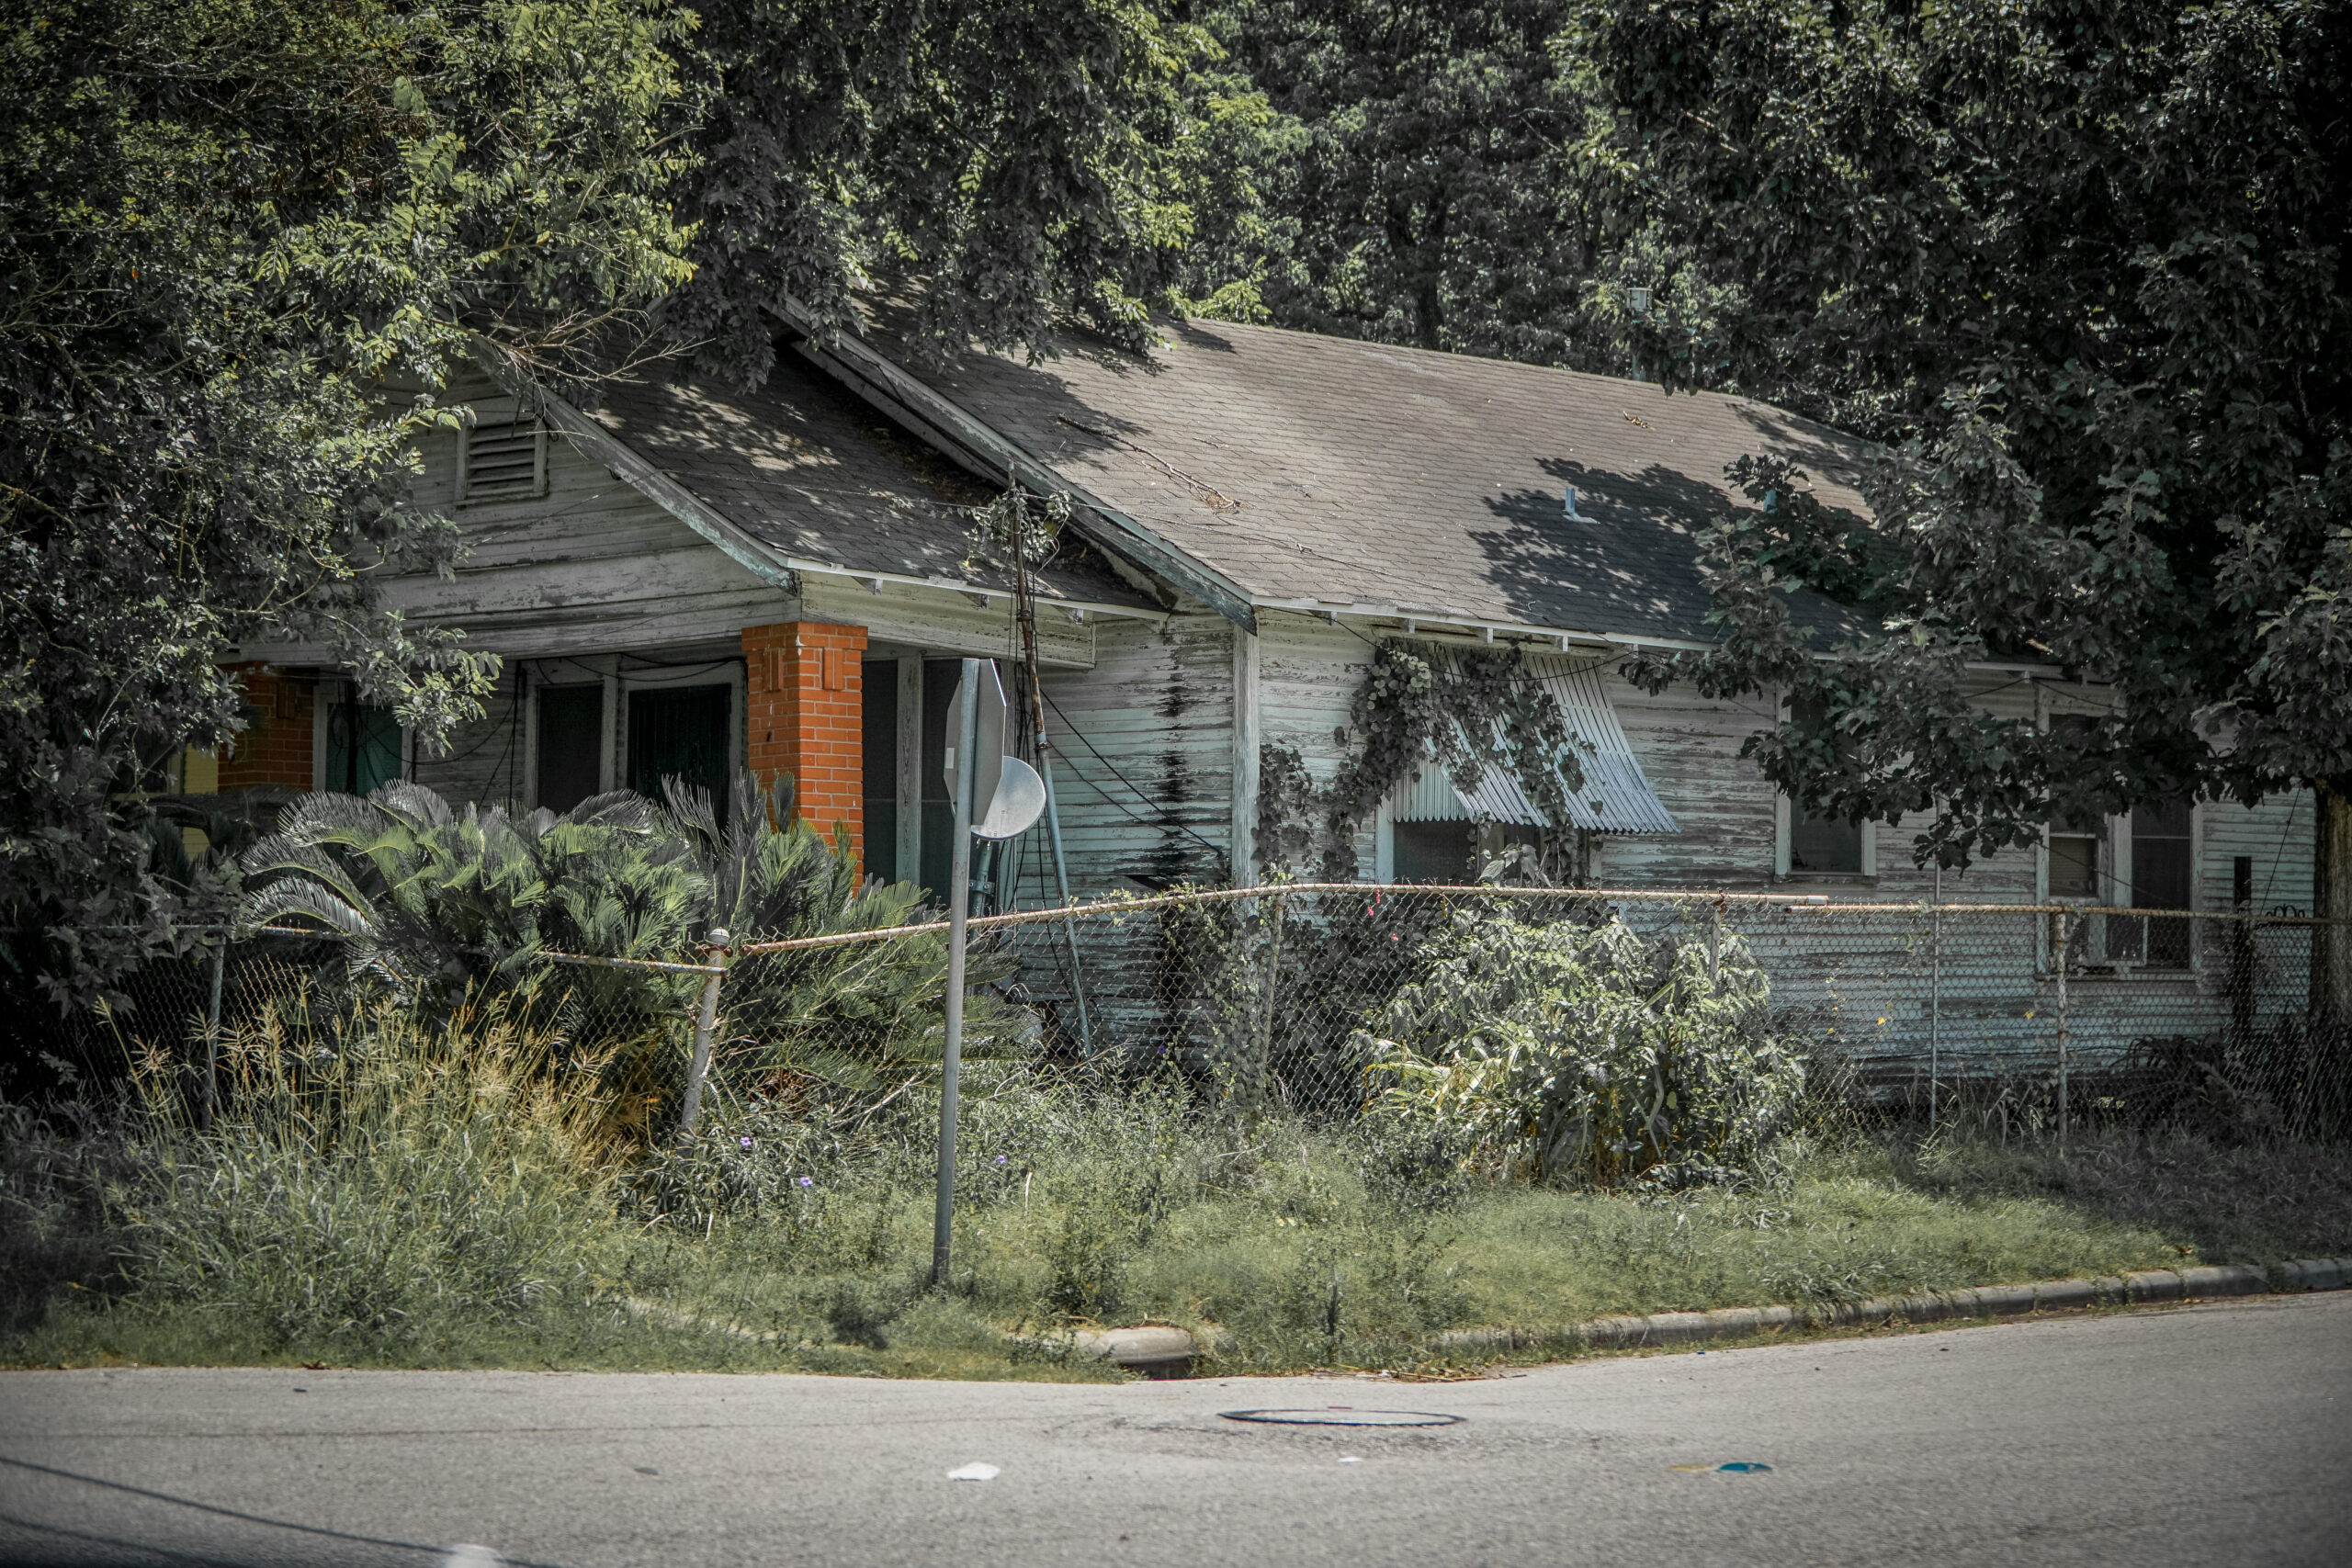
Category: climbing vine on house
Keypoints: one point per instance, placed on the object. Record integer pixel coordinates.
(1469, 710)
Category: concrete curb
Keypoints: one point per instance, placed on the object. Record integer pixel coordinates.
(1164, 1350)
(1155, 1349)
(1989, 1301)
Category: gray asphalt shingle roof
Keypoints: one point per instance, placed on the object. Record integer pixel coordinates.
(804, 468)
(1330, 472)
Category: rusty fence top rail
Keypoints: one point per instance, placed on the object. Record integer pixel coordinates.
(1790, 903)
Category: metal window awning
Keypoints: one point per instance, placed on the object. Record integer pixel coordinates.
(1616, 796)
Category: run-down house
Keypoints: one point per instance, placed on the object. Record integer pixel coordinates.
(686, 579)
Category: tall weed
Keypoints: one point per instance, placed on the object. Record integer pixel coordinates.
(387, 1181)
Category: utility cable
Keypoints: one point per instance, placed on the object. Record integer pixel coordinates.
(1112, 767)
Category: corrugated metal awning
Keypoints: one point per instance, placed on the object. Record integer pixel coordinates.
(1616, 796)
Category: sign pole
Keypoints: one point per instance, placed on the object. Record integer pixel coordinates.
(959, 900)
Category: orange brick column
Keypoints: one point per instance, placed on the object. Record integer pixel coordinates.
(276, 746)
(807, 709)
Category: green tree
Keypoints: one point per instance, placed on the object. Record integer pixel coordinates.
(242, 241)
(2081, 264)
(1010, 164)
(1422, 173)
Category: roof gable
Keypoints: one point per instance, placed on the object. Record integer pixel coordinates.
(800, 476)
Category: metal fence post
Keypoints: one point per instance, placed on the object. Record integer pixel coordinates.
(705, 1020)
(1936, 1000)
(1061, 882)
(213, 1026)
(959, 901)
(2065, 921)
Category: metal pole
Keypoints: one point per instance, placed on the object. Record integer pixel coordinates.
(2064, 922)
(960, 900)
(705, 1020)
(213, 1026)
(1934, 997)
(1061, 882)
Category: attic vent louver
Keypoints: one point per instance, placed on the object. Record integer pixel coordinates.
(504, 462)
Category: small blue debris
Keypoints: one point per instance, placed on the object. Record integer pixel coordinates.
(1742, 1466)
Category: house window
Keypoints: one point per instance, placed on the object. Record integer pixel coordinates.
(502, 462)
(1813, 844)
(682, 733)
(1432, 852)
(2146, 860)
(2074, 859)
(570, 744)
(2162, 866)
(363, 747)
(1826, 846)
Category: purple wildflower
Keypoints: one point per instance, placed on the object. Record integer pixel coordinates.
(745, 1142)
(807, 1181)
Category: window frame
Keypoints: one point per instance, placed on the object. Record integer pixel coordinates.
(1784, 826)
(2114, 871)
(728, 672)
(544, 672)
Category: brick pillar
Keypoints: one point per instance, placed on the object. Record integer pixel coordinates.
(807, 712)
(276, 746)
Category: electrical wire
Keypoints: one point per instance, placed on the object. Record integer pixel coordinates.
(1112, 767)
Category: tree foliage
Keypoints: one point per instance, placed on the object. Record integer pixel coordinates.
(1013, 164)
(2082, 265)
(242, 240)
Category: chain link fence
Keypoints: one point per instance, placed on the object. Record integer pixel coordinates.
(1332, 1001)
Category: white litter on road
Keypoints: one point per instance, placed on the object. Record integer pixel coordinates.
(1352, 1458)
(467, 1555)
(974, 1472)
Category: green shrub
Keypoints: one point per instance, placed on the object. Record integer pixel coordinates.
(443, 908)
(1588, 1051)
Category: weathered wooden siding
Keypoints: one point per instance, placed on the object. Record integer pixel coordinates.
(1308, 672)
(1143, 757)
(1688, 746)
(2277, 836)
(590, 566)
(1143, 749)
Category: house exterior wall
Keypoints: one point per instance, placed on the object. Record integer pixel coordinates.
(277, 747)
(1142, 756)
(487, 761)
(1869, 983)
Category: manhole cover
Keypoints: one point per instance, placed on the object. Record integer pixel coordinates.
(1342, 1415)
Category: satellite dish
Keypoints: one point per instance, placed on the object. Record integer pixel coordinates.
(1019, 801)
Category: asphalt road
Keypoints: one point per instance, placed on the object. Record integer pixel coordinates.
(2214, 1434)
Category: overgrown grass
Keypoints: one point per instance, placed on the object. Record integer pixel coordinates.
(468, 1198)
